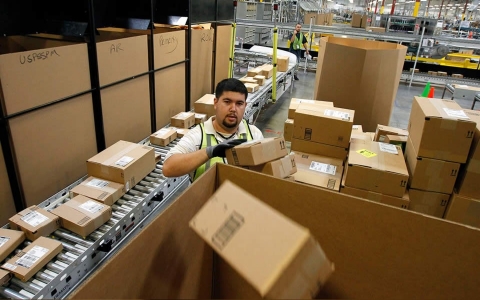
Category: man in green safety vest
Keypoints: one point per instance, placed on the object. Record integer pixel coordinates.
(297, 39)
(205, 144)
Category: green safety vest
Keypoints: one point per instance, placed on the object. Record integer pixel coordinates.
(210, 140)
(297, 43)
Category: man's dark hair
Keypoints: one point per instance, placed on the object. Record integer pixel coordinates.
(230, 85)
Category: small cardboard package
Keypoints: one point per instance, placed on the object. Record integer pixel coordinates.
(9, 241)
(163, 137)
(35, 222)
(101, 190)
(205, 105)
(183, 120)
(280, 168)
(325, 172)
(257, 152)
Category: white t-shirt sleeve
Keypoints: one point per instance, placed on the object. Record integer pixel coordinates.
(188, 143)
(256, 133)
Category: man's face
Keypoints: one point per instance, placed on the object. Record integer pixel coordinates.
(229, 107)
(298, 28)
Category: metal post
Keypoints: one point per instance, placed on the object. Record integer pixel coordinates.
(428, 6)
(464, 10)
(393, 7)
(232, 40)
(376, 6)
(416, 8)
(275, 39)
(310, 35)
(382, 7)
(440, 11)
(416, 56)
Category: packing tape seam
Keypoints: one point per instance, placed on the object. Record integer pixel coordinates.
(119, 155)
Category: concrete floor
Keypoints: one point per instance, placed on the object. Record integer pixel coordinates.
(272, 118)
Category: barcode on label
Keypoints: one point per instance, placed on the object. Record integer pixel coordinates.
(9, 266)
(3, 240)
(34, 218)
(337, 114)
(323, 168)
(125, 160)
(390, 148)
(33, 255)
(455, 113)
(97, 183)
(91, 206)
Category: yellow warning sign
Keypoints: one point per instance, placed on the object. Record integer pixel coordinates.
(366, 153)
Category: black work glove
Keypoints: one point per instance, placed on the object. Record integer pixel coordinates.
(219, 150)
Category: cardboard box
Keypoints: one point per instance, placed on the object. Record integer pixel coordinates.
(325, 172)
(163, 137)
(288, 130)
(469, 177)
(205, 105)
(254, 72)
(356, 20)
(327, 125)
(181, 132)
(429, 203)
(364, 21)
(414, 70)
(463, 210)
(402, 202)
(280, 168)
(295, 103)
(439, 129)
(123, 162)
(382, 132)
(338, 221)
(200, 118)
(360, 75)
(34, 257)
(229, 223)
(183, 120)
(266, 70)
(201, 61)
(104, 191)
(223, 35)
(260, 79)
(7, 207)
(251, 87)
(5, 277)
(9, 241)
(375, 29)
(257, 152)
(82, 215)
(434, 73)
(430, 174)
(360, 137)
(357, 129)
(35, 222)
(248, 79)
(440, 73)
(282, 63)
(319, 149)
(398, 140)
(457, 76)
(377, 167)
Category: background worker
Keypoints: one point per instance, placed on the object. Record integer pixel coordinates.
(297, 39)
(205, 144)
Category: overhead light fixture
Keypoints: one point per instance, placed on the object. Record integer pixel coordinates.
(351, 1)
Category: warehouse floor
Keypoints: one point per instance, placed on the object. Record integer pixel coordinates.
(272, 117)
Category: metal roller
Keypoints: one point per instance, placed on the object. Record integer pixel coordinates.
(126, 203)
(72, 238)
(51, 273)
(11, 294)
(118, 215)
(120, 209)
(28, 286)
(22, 292)
(137, 193)
(71, 248)
(149, 184)
(95, 236)
(144, 189)
(65, 258)
(131, 198)
(111, 222)
(154, 180)
(103, 229)
(44, 277)
(39, 283)
(54, 267)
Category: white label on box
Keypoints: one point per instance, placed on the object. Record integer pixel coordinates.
(34, 218)
(305, 101)
(9, 266)
(183, 115)
(323, 168)
(200, 116)
(125, 160)
(337, 114)
(91, 206)
(356, 127)
(163, 131)
(390, 148)
(97, 183)
(3, 240)
(456, 113)
(28, 259)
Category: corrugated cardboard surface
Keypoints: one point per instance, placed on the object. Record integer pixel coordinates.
(288, 130)
(361, 237)
(38, 71)
(383, 130)
(164, 136)
(435, 134)
(222, 52)
(463, 210)
(256, 152)
(101, 190)
(169, 93)
(201, 61)
(280, 168)
(183, 120)
(31, 226)
(360, 75)
(310, 172)
(429, 203)
(7, 207)
(15, 238)
(52, 145)
(295, 103)
(430, 174)
(377, 197)
(205, 105)
(4, 276)
(319, 149)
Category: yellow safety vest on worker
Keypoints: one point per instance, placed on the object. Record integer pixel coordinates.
(210, 140)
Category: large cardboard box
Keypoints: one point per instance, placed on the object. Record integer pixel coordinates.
(9, 241)
(377, 197)
(440, 129)
(201, 61)
(319, 149)
(463, 210)
(382, 131)
(257, 152)
(82, 215)
(34, 257)
(377, 167)
(375, 29)
(101, 190)
(282, 260)
(221, 53)
(205, 105)
(295, 103)
(360, 75)
(361, 237)
(356, 20)
(7, 207)
(325, 172)
(123, 162)
(429, 203)
(469, 177)
(280, 168)
(326, 125)
(35, 222)
(430, 174)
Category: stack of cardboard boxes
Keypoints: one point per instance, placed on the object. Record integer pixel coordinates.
(440, 136)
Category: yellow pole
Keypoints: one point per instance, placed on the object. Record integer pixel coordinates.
(382, 7)
(416, 8)
(232, 50)
(274, 80)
